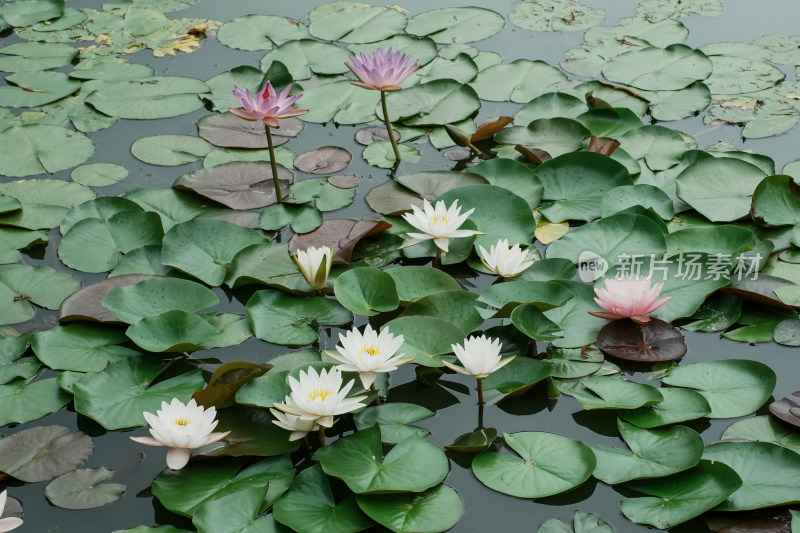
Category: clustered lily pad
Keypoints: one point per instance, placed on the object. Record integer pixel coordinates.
(254, 247)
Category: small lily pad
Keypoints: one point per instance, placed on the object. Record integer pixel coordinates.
(84, 489)
(44, 452)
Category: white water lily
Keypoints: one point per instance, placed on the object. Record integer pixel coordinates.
(320, 397)
(10, 522)
(505, 261)
(182, 428)
(440, 224)
(299, 427)
(315, 265)
(368, 353)
(480, 357)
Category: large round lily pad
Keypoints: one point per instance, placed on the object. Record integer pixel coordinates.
(456, 24)
(44, 452)
(38, 149)
(437, 509)
(157, 97)
(654, 341)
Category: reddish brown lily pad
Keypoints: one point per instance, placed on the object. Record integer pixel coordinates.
(760, 290)
(225, 381)
(340, 233)
(229, 131)
(488, 129)
(534, 155)
(787, 409)
(324, 160)
(651, 342)
(238, 185)
(344, 182)
(87, 303)
(758, 521)
(367, 136)
(603, 145)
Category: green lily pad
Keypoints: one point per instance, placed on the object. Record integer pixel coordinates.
(117, 396)
(516, 377)
(738, 75)
(764, 428)
(556, 136)
(170, 150)
(576, 183)
(39, 149)
(205, 248)
(267, 263)
(23, 57)
(280, 318)
(22, 285)
(238, 511)
(183, 491)
(733, 387)
(656, 453)
(171, 331)
(548, 464)
(394, 420)
(583, 523)
(504, 297)
(767, 471)
(681, 497)
(304, 57)
(84, 489)
(611, 392)
(671, 68)
(260, 32)
(381, 154)
(151, 297)
(341, 102)
(325, 195)
(99, 174)
(679, 405)
(426, 338)
(44, 452)
(436, 102)
(80, 347)
(437, 509)
(511, 175)
(414, 282)
(12, 240)
(32, 89)
(719, 189)
(456, 24)
(647, 196)
(523, 80)
(19, 13)
(530, 320)
(775, 203)
(22, 402)
(302, 218)
(413, 465)
(109, 69)
(677, 105)
(252, 433)
(552, 15)
(156, 97)
(351, 22)
(458, 307)
(366, 291)
(309, 506)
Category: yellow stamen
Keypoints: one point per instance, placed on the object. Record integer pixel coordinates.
(372, 350)
(319, 393)
(182, 421)
(444, 218)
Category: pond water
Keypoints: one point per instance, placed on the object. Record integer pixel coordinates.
(455, 403)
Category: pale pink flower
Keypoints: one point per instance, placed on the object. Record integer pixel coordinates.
(10, 522)
(267, 106)
(383, 71)
(630, 297)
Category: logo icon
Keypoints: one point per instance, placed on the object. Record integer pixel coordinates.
(591, 266)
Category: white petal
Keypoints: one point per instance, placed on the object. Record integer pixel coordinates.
(9, 523)
(177, 458)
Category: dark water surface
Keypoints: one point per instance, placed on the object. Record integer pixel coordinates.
(484, 509)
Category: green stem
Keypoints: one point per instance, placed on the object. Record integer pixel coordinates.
(378, 397)
(389, 129)
(274, 165)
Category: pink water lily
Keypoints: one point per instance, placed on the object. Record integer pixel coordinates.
(631, 297)
(382, 71)
(268, 105)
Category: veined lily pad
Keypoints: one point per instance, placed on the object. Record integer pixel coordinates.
(151, 297)
(171, 331)
(426, 338)
(367, 291)
(456, 24)
(305, 56)
(80, 347)
(21, 57)
(238, 185)
(523, 80)
(44, 452)
(29, 13)
(654, 341)
(280, 318)
(583, 523)
(733, 387)
(22, 402)
(611, 392)
(33, 89)
(394, 420)
(679, 405)
(237, 511)
(763, 428)
(437, 509)
(117, 396)
(156, 97)
(351, 22)
(787, 409)
(84, 489)
(340, 101)
(458, 307)
(413, 465)
(309, 506)
(39, 149)
(436, 102)
(22, 285)
(99, 174)
(260, 32)
(548, 464)
(652, 68)
(170, 150)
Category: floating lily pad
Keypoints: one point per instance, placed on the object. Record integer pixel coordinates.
(458, 307)
(682, 496)
(341, 102)
(787, 409)
(99, 174)
(767, 472)
(280, 318)
(80, 347)
(238, 185)
(130, 302)
(117, 396)
(342, 234)
(413, 465)
(352, 22)
(22, 402)
(763, 428)
(44, 452)
(156, 97)
(172, 331)
(22, 285)
(170, 150)
(305, 56)
(553, 15)
(611, 392)
(23, 57)
(324, 160)
(733, 387)
(367, 291)
(456, 24)
(654, 341)
(326, 197)
(394, 420)
(414, 283)
(84, 489)
(28, 13)
(235, 511)
(775, 201)
(556, 136)
(523, 80)
(205, 248)
(671, 68)
(656, 453)
(583, 523)
(436, 509)
(679, 405)
(548, 464)
(260, 32)
(39, 149)
(434, 103)
(230, 131)
(32, 89)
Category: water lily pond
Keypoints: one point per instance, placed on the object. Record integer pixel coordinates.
(537, 269)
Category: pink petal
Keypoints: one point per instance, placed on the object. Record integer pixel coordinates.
(147, 441)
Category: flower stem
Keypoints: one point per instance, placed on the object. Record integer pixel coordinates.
(274, 166)
(389, 129)
(322, 436)
(437, 261)
(378, 397)
(480, 392)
